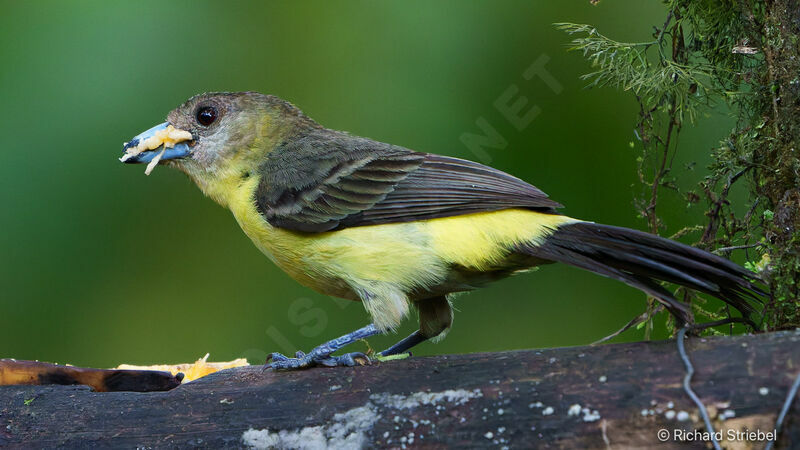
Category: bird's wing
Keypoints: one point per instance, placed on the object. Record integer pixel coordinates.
(318, 186)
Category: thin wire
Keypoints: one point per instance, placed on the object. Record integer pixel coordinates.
(786, 405)
(688, 388)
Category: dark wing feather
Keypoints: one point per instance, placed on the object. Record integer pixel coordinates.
(444, 186)
(334, 181)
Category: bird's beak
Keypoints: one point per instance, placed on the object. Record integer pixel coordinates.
(162, 142)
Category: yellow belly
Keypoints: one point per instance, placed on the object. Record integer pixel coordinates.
(409, 256)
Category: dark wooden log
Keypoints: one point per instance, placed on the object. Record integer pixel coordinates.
(610, 396)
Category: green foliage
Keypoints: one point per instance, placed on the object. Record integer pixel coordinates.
(644, 69)
(745, 55)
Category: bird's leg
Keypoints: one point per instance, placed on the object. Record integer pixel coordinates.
(405, 345)
(322, 355)
(435, 318)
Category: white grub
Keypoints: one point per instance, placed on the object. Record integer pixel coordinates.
(167, 137)
(547, 411)
(574, 410)
(154, 162)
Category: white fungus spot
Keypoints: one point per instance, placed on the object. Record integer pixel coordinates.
(727, 414)
(347, 430)
(682, 416)
(574, 410)
(591, 416)
(397, 401)
(488, 435)
(500, 412)
(670, 405)
(602, 379)
(547, 411)
(763, 390)
(669, 414)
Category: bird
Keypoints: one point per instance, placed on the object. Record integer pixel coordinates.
(398, 229)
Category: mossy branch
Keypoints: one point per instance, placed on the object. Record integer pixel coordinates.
(745, 55)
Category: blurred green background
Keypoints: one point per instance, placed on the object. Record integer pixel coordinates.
(101, 265)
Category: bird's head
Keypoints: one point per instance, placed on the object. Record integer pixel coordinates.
(217, 138)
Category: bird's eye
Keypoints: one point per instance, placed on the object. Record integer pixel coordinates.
(206, 115)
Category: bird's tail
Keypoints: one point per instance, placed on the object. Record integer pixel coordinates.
(642, 259)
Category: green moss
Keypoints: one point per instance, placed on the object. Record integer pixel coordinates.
(744, 54)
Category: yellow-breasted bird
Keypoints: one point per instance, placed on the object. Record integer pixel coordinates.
(395, 228)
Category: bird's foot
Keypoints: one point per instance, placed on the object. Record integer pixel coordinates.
(323, 355)
(278, 361)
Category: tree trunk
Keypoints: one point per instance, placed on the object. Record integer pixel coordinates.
(610, 396)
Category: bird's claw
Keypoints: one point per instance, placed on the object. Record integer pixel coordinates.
(278, 361)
